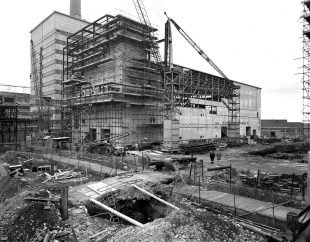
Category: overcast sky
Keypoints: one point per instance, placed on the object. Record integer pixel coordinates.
(255, 42)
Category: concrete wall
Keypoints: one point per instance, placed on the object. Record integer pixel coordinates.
(202, 123)
(115, 119)
(250, 109)
(51, 34)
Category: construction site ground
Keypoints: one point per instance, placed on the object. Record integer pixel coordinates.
(242, 159)
(245, 205)
(22, 219)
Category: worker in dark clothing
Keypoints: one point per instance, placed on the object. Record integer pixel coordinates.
(212, 156)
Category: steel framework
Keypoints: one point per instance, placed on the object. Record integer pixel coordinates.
(41, 106)
(181, 85)
(306, 71)
(111, 82)
(15, 119)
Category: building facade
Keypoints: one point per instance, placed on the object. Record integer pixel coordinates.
(281, 128)
(207, 116)
(112, 86)
(16, 121)
(48, 39)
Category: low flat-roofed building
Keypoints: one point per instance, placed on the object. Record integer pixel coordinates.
(281, 128)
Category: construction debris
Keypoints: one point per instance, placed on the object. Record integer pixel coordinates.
(61, 175)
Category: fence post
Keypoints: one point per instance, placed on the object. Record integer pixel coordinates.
(292, 190)
(199, 187)
(257, 178)
(115, 164)
(308, 177)
(234, 199)
(142, 161)
(230, 177)
(194, 173)
(201, 169)
(303, 185)
(101, 166)
(273, 221)
(64, 202)
(135, 163)
(190, 170)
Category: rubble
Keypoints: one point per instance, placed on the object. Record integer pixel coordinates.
(185, 225)
(30, 211)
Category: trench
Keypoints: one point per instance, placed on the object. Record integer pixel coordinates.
(133, 204)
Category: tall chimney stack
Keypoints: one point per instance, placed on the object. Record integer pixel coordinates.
(75, 9)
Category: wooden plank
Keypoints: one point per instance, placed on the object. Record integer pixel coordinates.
(64, 202)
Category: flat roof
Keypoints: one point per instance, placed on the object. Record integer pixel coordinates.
(219, 76)
(56, 12)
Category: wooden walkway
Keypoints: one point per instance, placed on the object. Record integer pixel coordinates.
(247, 205)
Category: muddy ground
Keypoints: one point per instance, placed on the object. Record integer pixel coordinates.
(277, 158)
(22, 220)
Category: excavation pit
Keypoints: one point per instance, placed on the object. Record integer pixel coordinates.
(134, 204)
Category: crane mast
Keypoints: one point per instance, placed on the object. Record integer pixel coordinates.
(196, 47)
(232, 93)
(143, 17)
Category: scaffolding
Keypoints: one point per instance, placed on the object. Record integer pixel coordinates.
(306, 71)
(15, 119)
(41, 106)
(111, 83)
(182, 86)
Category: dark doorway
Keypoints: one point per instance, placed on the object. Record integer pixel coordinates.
(248, 131)
(223, 132)
(92, 133)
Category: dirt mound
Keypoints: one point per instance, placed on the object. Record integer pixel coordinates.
(28, 220)
(288, 149)
(196, 225)
(15, 157)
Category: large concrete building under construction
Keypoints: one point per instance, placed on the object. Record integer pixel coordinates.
(114, 86)
(48, 39)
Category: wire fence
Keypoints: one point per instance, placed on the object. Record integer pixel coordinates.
(101, 163)
(267, 204)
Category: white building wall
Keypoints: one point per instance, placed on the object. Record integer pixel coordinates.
(250, 109)
(201, 123)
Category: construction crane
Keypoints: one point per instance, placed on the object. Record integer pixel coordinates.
(196, 47)
(143, 17)
(233, 105)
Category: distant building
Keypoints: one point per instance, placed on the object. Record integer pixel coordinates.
(281, 128)
(15, 119)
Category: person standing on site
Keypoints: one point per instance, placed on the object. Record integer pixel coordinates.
(218, 156)
(212, 156)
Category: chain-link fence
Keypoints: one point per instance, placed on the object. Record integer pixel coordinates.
(267, 200)
(102, 163)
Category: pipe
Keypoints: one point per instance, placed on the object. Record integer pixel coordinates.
(153, 196)
(111, 210)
